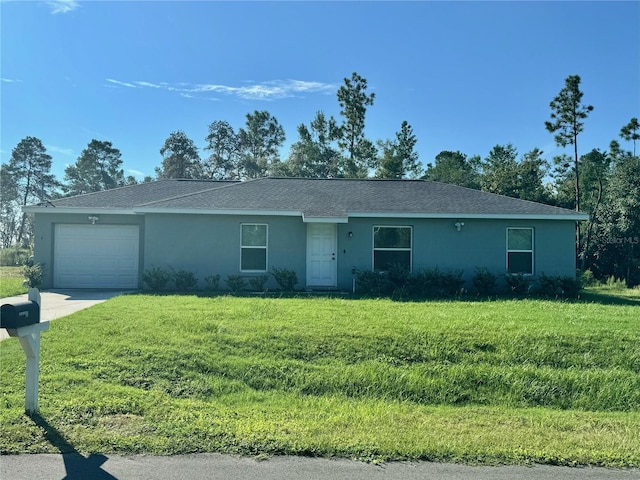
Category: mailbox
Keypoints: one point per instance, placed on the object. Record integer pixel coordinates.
(16, 315)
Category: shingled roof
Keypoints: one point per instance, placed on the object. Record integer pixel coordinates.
(316, 199)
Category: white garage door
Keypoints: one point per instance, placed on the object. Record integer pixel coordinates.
(96, 256)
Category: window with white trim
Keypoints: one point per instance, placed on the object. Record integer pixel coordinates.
(520, 250)
(253, 247)
(391, 246)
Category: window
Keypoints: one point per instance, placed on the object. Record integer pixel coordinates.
(253, 247)
(520, 250)
(391, 246)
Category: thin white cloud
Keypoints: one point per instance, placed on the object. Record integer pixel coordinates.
(149, 84)
(136, 173)
(122, 84)
(10, 80)
(63, 151)
(62, 6)
(271, 90)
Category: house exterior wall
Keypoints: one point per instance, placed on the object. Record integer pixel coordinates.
(210, 244)
(44, 241)
(479, 243)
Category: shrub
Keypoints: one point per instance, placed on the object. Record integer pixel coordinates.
(587, 278)
(517, 283)
(372, 283)
(398, 277)
(434, 283)
(559, 286)
(484, 281)
(212, 282)
(451, 283)
(257, 283)
(286, 279)
(571, 287)
(236, 283)
(549, 286)
(156, 278)
(33, 274)
(616, 283)
(185, 280)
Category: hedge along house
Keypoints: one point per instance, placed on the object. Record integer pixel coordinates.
(323, 229)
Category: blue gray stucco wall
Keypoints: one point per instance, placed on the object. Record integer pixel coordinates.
(210, 244)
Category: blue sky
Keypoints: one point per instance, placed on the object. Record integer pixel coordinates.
(465, 75)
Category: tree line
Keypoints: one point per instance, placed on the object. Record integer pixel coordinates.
(604, 183)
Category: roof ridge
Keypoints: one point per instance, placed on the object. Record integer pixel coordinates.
(346, 179)
(227, 183)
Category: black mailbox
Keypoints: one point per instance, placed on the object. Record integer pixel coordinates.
(16, 315)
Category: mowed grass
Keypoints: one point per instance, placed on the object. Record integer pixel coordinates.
(11, 282)
(508, 381)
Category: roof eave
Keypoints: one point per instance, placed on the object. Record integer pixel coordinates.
(219, 211)
(79, 210)
(479, 216)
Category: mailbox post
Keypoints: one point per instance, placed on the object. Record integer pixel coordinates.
(22, 320)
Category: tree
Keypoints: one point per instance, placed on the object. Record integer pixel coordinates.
(30, 166)
(399, 159)
(500, 171)
(353, 101)
(224, 144)
(314, 155)
(260, 143)
(8, 207)
(532, 171)
(595, 174)
(503, 174)
(97, 168)
(618, 234)
(454, 168)
(180, 158)
(568, 115)
(630, 132)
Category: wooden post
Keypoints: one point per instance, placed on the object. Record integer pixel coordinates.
(29, 337)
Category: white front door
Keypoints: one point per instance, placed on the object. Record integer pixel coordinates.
(321, 255)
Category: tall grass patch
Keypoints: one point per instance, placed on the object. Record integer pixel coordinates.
(490, 382)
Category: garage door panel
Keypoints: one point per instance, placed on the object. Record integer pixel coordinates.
(96, 256)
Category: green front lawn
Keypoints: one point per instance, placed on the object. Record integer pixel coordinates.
(508, 381)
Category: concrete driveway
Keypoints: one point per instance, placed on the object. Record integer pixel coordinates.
(60, 303)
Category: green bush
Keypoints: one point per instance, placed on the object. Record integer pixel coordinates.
(33, 274)
(286, 279)
(212, 282)
(587, 278)
(429, 283)
(517, 283)
(156, 278)
(398, 277)
(185, 280)
(372, 283)
(616, 283)
(484, 281)
(257, 283)
(432, 283)
(236, 283)
(571, 287)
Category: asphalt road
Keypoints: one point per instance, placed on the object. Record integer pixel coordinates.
(226, 467)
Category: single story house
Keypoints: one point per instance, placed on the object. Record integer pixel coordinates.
(323, 229)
